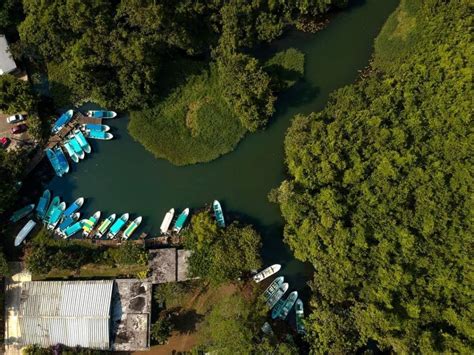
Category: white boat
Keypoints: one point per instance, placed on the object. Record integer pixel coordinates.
(24, 232)
(165, 225)
(269, 271)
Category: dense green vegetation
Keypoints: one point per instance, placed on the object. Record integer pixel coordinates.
(221, 254)
(16, 95)
(380, 194)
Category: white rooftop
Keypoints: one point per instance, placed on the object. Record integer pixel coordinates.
(7, 64)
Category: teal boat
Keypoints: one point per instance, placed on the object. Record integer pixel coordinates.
(178, 225)
(101, 114)
(299, 312)
(277, 295)
(278, 307)
(56, 216)
(70, 151)
(89, 224)
(104, 226)
(68, 221)
(74, 207)
(53, 159)
(64, 165)
(72, 229)
(62, 121)
(82, 141)
(104, 136)
(290, 301)
(131, 228)
(27, 228)
(22, 212)
(95, 127)
(43, 204)
(218, 213)
(117, 226)
(54, 203)
(76, 147)
(274, 286)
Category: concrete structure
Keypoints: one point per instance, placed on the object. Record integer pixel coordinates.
(183, 256)
(168, 265)
(7, 64)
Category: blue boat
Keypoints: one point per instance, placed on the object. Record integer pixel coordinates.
(76, 147)
(56, 216)
(218, 213)
(70, 151)
(105, 136)
(101, 114)
(72, 229)
(64, 165)
(68, 221)
(53, 159)
(43, 204)
(54, 203)
(82, 141)
(74, 207)
(95, 127)
(62, 121)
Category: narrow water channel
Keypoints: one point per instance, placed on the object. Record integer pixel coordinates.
(121, 176)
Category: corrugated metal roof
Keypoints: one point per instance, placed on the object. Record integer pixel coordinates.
(7, 64)
(66, 312)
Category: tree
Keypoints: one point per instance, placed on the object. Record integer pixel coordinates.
(3, 264)
(379, 199)
(11, 13)
(161, 330)
(15, 95)
(128, 253)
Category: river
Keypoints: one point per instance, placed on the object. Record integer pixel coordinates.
(121, 176)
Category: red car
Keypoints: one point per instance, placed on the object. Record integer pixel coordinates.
(4, 142)
(19, 129)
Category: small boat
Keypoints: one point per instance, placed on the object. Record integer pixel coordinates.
(277, 295)
(62, 121)
(70, 151)
(178, 225)
(104, 226)
(56, 216)
(53, 159)
(117, 226)
(278, 307)
(43, 204)
(132, 227)
(73, 229)
(101, 114)
(167, 221)
(82, 141)
(267, 329)
(105, 136)
(299, 311)
(22, 212)
(74, 207)
(54, 203)
(290, 301)
(269, 271)
(274, 286)
(64, 165)
(76, 147)
(218, 213)
(23, 233)
(95, 127)
(68, 221)
(89, 224)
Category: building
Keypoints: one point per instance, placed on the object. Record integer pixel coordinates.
(168, 265)
(7, 64)
(104, 315)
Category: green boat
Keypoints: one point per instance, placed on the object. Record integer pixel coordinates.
(181, 220)
(22, 212)
(104, 226)
(43, 204)
(290, 301)
(218, 213)
(299, 311)
(54, 203)
(89, 224)
(132, 227)
(277, 295)
(273, 287)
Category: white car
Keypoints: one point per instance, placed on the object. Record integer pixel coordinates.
(15, 118)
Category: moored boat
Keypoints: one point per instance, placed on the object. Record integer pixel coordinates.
(56, 216)
(95, 127)
(62, 121)
(54, 203)
(277, 295)
(76, 147)
(82, 141)
(72, 229)
(132, 227)
(43, 204)
(104, 136)
(101, 114)
(118, 225)
(290, 301)
(299, 312)
(165, 225)
(273, 287)
(277, 308)
(23, 233)
(104, 226)
(70, 151)
(64, 165)
(22, 212)
(269, 271)
(68, 221)
(218, 213)
(53, 159)
(89, 224)
(178, 225)
(74, 207)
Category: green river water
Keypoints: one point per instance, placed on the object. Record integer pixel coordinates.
(121, 176)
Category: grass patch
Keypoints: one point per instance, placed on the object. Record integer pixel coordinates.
(93, 271)
(287, 67)
(192, 124)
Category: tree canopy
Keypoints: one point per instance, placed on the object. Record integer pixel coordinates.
(15, 95)
(380, 194)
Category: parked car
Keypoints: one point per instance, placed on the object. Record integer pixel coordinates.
(15, 118)
(4, 142)
(19, 129)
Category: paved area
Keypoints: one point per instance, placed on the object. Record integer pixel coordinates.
(5, 128)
